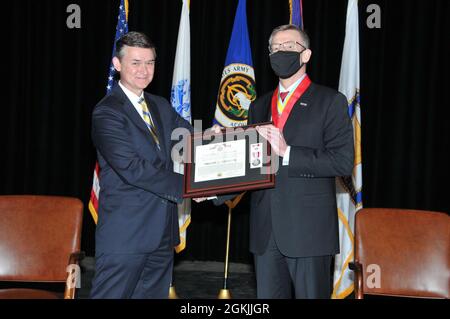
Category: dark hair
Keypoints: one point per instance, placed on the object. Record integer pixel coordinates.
(133, 39)
(285, 27)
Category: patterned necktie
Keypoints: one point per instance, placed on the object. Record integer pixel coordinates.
(281, 105)
(148, 121)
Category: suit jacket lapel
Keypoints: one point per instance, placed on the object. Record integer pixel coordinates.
(159, 127)
(129, 109)
(300, 106)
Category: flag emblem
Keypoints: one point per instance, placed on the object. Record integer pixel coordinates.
(237, 88)
(180, 98)
(236, 93)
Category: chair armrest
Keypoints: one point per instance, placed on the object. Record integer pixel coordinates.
(69, 291)
(75, 258)
(357, 268)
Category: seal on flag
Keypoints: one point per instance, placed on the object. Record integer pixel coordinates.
(236, 92)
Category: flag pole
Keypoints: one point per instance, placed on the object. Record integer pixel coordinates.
(224, 293)
(240, 80)
(180, 98)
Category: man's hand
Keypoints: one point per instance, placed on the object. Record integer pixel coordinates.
(275, 137)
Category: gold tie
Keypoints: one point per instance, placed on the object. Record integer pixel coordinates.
(148, 120)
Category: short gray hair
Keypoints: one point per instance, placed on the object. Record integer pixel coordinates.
(285, 27)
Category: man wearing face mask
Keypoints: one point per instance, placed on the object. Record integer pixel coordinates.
(294, 226)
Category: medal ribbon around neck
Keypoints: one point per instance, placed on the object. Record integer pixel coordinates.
(291, 99)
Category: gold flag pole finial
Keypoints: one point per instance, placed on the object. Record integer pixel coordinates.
(172, 292)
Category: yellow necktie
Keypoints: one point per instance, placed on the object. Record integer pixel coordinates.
(148, 121)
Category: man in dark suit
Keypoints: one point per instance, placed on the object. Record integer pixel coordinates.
(138, 224)
(294, 226)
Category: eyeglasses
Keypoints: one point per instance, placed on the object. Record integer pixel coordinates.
(285, 46)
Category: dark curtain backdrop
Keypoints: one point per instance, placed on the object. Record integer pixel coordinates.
(54, 76)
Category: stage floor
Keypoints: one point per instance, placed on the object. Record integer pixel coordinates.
(194, 279)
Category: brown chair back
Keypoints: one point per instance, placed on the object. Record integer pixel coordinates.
(38, 235)
(411, 249)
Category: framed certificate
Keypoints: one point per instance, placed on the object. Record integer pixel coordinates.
(234, 160)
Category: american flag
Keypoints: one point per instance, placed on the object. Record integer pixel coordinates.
(121, 29)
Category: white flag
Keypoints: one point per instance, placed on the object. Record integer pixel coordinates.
(181, 101)
(349, 190)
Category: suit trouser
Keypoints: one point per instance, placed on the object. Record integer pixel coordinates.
(135, 276)
(282, 277)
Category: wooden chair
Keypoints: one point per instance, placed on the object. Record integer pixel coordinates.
(410, 250)
(39, 237)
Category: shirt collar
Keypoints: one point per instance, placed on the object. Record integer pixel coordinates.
(293, 85)
(131, 96)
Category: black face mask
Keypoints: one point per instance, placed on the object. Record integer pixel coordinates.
(285, 63)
